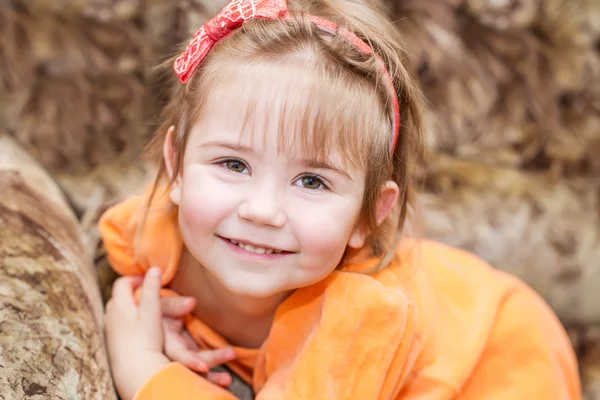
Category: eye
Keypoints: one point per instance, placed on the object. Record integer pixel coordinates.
(311, 182)
(234, 165)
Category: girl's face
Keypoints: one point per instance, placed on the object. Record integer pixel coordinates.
(261, 220)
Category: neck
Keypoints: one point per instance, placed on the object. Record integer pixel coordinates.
(242, 320)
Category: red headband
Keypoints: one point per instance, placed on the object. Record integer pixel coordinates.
(233, 16)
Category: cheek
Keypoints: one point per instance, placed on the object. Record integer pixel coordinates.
(325, 233)
(201, 207)
(193, 217)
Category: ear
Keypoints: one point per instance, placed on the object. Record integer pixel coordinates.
(386, 200)
(169, 157)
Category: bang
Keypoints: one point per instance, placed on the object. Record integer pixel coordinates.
(321, 115)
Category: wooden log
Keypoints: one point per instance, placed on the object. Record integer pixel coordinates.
(51, 335)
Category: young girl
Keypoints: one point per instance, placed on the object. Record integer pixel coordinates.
(288, 152)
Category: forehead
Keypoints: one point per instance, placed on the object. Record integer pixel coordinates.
(301, 113)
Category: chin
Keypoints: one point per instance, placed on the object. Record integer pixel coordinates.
(249, 289)
(255, 292)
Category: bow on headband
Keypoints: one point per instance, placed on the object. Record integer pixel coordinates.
(235, 14)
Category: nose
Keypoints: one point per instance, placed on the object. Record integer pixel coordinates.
(261, 206)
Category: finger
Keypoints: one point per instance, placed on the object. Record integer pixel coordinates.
(189, 341)
(173, 324)
(220, 378)
(149, 308)
(122, 290)
(176, 350)
(177, 307)
(212, 358)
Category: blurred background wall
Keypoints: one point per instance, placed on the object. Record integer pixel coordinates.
(514, 106)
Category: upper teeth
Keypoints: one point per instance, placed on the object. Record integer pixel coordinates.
(254, 249)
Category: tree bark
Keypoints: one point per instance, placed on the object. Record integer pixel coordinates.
(51, 337)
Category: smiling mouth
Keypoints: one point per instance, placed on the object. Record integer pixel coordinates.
(255, 249)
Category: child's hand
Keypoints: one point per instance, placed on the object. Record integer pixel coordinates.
(134, 334)
(181, 347)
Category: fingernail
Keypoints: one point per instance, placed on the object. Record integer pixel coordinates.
(154, 271)
(189, 301)
(201, 365)
(229, 352)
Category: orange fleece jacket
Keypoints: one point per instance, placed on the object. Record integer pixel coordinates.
(438, 323)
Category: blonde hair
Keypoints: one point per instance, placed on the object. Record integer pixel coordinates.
(358, 123)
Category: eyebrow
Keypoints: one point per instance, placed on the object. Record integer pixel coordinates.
(248, 150)
(324, 165)
(228, 145)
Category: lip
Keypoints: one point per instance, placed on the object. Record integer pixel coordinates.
(254, 244)
(251, 255)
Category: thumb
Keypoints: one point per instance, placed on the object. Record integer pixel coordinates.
(149, 308)
(177, 307)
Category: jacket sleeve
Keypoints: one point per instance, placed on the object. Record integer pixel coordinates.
(363, 346)
(121, 231)
(118, 234)
(175, 381)
(528, 355)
